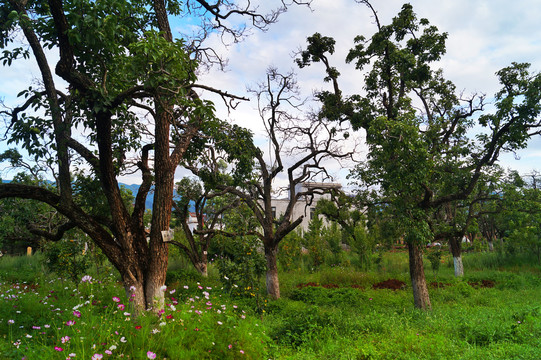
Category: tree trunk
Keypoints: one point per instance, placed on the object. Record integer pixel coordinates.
(202, 265)
(490, 245)
(273, 285)
(456, 251)
(418, 280)
(136, 297)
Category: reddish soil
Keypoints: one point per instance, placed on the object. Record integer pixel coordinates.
(313, 284)
(482, 284)
(392, 284)
(330, 286)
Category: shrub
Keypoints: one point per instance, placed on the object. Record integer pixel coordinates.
(67, 259)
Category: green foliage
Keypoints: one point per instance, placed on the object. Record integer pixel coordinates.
(240, 263)
(67, 258)
(321, 296)
(188, 328)
(434, 257)
(21, 215)
(24, 269)
(299, 323)
(290, 251)
(315, 243)
(469, 322)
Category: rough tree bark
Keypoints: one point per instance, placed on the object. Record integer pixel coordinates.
(273, 284)
(421, 298)
(456, 251)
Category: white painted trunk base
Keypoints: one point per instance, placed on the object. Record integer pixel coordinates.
(459, 267)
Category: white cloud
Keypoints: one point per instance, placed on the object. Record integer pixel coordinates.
(484, 36)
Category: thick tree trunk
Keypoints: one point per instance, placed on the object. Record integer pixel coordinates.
(155, 290)
(273, 285)
(418, 281)
(202, 268)
(136, 297)
(202, 265)
(456, 251)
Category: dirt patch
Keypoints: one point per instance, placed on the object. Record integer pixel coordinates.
(312, 284)
(482, 284)
(355, 286)
(330, 286)
(392, 284)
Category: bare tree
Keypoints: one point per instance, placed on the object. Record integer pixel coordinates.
(299, 148)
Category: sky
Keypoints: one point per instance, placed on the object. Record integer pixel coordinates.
(484, 36)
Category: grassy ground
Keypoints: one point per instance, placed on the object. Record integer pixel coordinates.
(499, 318)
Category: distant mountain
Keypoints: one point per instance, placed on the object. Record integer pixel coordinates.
(134, 188)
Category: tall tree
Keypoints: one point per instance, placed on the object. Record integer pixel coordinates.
(119, 59)
(421, 159)
(299, 148)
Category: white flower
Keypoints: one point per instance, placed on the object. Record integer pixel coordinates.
(123, 339)
(163, 288)
(155, 331)
(163, 323)
(113, 347)
(220, 323)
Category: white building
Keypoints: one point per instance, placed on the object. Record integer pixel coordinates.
(303, 205)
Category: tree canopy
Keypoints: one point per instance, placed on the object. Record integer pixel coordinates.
(423, 150)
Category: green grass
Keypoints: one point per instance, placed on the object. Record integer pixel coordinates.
(467, 322)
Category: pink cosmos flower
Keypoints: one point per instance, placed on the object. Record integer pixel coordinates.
(151, 355)
(97, 356)
(70, 322)
(116, 299)
(121, 306)
(65, 339)
(58, 348)
(229, 346)
(108, 352)
(76, 313)
(242, 351)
